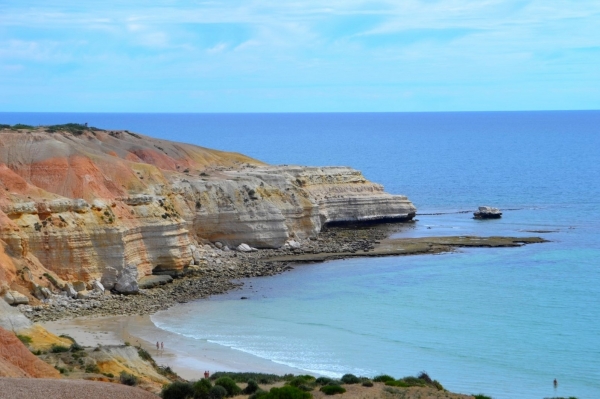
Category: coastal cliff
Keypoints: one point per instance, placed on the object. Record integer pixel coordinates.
(85, 205)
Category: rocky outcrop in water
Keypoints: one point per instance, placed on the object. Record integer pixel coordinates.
(100, 205)
(487, 212)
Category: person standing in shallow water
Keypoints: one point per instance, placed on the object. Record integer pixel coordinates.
(555, 383)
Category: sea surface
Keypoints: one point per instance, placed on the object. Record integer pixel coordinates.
(504, 322)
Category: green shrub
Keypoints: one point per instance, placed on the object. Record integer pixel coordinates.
(92, 368)
(481, 396)
(229, 385)
(202, 389)
(323, 380)
(76, 347)
(128, 379)
(59, 348)
(177, 390)
(423, 380)
(217, 392)
(301, 380)
(61, 370)
(167, 372)
(26, 339)
(258, 394)
(304, 382)
(383, 378)
(286, 392)
(74, 128)
(3, 126)
(350, 379)
(425, 377)
(251, 387)
(20, 126)
(145, 355)
(261, 378)
(55, 283)
(437, 385)
(413, 381)
(367, 383)
(332, 389)
(109, 375)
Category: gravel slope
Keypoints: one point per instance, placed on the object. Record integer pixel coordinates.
(30, 388)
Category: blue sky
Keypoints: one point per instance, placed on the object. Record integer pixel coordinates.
(299, 56)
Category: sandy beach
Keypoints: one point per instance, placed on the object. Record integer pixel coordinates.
(188, 357)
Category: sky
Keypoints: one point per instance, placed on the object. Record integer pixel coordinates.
(299, 56)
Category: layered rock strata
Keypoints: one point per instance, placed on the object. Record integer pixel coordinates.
(114, 206)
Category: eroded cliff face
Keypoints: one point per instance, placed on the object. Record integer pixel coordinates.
(81, 207)
(17, 361)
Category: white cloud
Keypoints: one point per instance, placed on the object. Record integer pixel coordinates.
(310, 42)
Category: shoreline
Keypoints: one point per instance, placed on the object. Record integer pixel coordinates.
(332, 244)
(190, 364)
(199, 355)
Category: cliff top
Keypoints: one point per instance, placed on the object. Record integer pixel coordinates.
(77, 161)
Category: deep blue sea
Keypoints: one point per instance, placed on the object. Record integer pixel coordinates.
(504, 322)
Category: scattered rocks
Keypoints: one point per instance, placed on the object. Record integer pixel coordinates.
(213, 276)
(97, 286)
(70, 291)
(79, 286)
(15, 298)
(83, 294)
(154, 281)
(109, 278)
(41, 293)
(244, 248)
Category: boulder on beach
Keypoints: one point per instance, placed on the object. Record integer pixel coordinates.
(127, 281)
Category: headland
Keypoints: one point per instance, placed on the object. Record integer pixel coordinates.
(100, 222)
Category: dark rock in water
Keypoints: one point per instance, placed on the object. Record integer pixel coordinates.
(244, 297)
(487, 212)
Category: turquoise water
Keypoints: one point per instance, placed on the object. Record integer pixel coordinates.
(505, 322)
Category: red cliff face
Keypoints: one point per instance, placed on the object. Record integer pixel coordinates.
(17, 361)
(94, 204)
(72, 205)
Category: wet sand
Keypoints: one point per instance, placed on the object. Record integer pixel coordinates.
(188, 357)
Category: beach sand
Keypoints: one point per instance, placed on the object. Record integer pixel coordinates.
(188, 357)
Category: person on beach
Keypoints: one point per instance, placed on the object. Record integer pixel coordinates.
(157, 345)
(162, 347)
(555, 383)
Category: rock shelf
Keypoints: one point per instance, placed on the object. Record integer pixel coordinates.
(220, 274)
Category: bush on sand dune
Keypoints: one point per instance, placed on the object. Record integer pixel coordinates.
(178, 390)
(332, 389)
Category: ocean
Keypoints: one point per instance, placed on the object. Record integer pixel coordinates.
(504, 321)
